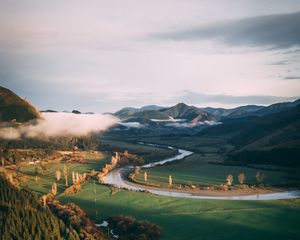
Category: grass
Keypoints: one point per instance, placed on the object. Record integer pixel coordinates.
(196, 169)
(150, 154)
(194, 218)
(182, 218)
(44, 184)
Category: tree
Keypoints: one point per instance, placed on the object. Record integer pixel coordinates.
(126, 153)
(114, 161)
(260, 177)
(37, 178)
(66, 175)
(54, 189)
(44, 199)
(170, 180)
(137, 170)
(94, 187)
(77, 178)
(73, 177)
(58, 175)
(241, 178)
(229, 180)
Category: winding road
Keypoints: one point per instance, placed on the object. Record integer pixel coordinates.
(115, 178)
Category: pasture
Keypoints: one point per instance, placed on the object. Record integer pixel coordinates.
(179, 218)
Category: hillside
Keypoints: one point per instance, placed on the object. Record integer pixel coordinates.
(129, 111)
(191, 113)
(219, 113)
(179, 111)
(273, 138)
(13, 107)
(277, 128)
(262, 111)
(22, 216)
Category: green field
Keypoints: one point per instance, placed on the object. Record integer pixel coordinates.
(150, 154)
(196, 169)
(193, 218)
(181, 218)
(47, 179)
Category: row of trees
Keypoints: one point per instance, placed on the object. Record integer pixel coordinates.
(259, 176)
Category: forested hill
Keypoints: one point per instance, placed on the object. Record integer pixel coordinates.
(13, 107)
(22, 216)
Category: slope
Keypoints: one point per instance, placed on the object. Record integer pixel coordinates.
(13, 107)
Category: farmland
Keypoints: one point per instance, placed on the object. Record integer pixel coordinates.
(180, 218)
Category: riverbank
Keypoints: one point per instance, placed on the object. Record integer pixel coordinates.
(119, 178)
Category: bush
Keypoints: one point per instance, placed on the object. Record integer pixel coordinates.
(128, 228)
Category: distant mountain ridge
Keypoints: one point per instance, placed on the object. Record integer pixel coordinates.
(128, 111)
(272, 138)
(179, 111)
(223, 112)
(12, 107)
(190, 113)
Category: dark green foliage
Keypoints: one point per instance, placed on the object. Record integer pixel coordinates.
(128, 228)
(74, 216)
(22, 216)
(48, 144)
(271, 139)
(279, 156)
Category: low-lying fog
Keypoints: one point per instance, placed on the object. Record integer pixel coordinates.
(60, 124)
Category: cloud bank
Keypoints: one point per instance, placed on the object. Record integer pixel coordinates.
(60, 124)
(191, 97)
(274, 31)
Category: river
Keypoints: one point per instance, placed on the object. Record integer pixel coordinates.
(115, 178)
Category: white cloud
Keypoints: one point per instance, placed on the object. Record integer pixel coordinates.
(60, 124)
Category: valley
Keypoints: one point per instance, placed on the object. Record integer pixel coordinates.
(200, 215)
(173, 181)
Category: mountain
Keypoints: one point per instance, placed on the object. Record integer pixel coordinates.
(244, 110)
(127, 112)
(183, 111)
(179, 111)
(13, 107)
(273, 138)
(219, 113)
(277, 107)
(253, 110)
(151, 108)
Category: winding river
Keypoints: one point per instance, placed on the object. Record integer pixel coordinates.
(116, 178)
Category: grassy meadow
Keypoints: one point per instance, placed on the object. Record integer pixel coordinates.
(47, 179)
(179, 218)
(196, 169)
(194, 218)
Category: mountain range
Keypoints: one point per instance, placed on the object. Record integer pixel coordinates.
(268, 134)
(184, 115)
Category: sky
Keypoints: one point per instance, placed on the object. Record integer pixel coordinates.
(101, 55)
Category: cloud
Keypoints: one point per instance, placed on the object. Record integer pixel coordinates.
(60, 124)
(279, 63)
(132, 124)
(200, 98)
(271, 31)
(292, 78)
